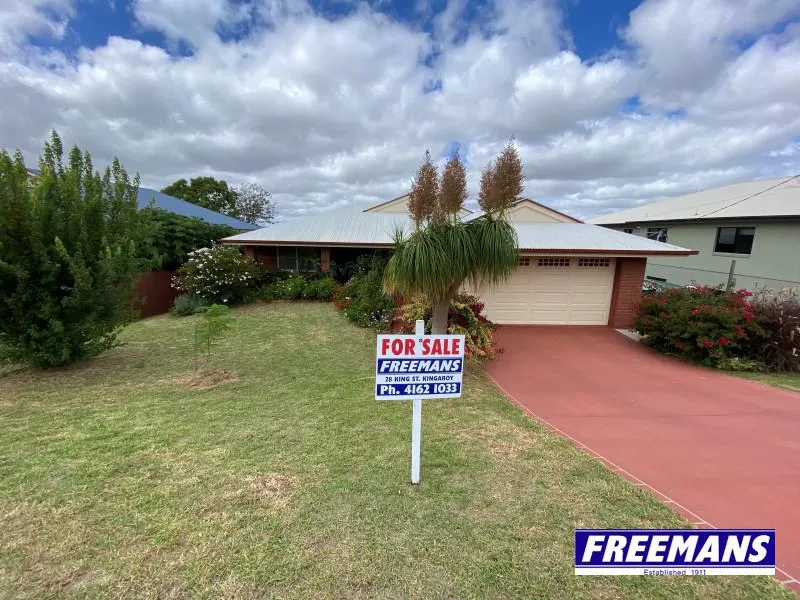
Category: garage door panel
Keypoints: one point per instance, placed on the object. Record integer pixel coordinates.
(588, 316)
(554, 291)
(589, 298)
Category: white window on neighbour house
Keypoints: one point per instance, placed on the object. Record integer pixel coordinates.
(735, 240)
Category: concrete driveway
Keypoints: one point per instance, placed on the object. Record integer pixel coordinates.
(722, 451)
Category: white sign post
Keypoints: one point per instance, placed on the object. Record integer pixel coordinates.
(418, 367)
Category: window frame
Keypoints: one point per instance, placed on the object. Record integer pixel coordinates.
(657, 231)
(306, 259)
(734, 247)
(554, 262)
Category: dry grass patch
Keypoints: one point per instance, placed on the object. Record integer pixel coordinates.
(499, 437)
(203, 380)
(272, 490)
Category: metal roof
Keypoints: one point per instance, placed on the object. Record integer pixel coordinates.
(762, 198)
(187, 209)
(582, 237)
(351, 226)
(181, 207)
(348, 225)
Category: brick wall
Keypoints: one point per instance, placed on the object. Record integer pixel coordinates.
(266, 255)
(627, 292)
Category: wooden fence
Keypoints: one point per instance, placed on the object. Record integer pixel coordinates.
(154, 293)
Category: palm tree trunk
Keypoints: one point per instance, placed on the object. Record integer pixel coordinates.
(439, 317)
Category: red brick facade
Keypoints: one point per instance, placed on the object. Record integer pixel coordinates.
(267, 256)
(627, 292)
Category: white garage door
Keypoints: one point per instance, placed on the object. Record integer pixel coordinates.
(553, 290)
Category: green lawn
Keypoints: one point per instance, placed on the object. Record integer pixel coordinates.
(118, 480)
(789, 381)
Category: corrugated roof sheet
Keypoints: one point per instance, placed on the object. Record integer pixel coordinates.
(187, 209)
(761, 198)
(351, 226)
(582, 237)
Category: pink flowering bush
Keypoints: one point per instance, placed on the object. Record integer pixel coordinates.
(704, 325)
(219, 275)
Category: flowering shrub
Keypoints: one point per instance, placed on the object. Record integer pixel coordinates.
(778, 315)
(465, 317)
(219, 274)
(704, 325)
(296, 287)
(362, 298)
(319, 289)
(289, 288)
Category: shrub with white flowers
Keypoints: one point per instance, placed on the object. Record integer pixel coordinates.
(219, 274)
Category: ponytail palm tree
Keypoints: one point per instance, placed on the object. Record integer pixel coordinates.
(444, 252)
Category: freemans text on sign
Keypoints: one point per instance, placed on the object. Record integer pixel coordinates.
(419, 367)
(674, 552)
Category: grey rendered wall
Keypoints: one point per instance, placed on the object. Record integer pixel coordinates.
(774, 261)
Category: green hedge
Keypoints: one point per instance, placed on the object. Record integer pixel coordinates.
(362, 298)
(297, 287)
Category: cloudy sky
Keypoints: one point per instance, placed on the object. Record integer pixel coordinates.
(612, 103)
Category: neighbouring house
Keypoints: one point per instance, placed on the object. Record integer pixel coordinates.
(147, 197)
(569, 272)
(756, 224)
(187, 209)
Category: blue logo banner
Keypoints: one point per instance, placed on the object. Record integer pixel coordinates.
(675, 551)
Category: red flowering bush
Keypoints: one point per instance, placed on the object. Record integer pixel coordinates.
(465, 317)
(704, 325)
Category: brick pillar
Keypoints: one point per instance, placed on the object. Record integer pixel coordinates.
(627, 292)
(325, 259)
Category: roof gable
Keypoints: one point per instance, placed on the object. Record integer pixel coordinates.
(396, 205)
(528, 211)
(400, 205)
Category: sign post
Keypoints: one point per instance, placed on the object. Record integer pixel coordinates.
(418, 367)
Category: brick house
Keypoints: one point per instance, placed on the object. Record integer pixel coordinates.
(568, 272)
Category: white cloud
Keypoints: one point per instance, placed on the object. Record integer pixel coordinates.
(22, 18)
(686, 45)
(324, 112)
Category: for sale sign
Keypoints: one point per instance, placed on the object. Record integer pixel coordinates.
(419, 367)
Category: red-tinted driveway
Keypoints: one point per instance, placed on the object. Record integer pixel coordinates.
(722, 451)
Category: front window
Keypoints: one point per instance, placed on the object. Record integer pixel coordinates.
(294, 258)
(735, 240)
(658, 234)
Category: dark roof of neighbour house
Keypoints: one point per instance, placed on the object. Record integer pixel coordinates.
(759, 199)
(187, 209)
(354, 226)
(182, 207)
